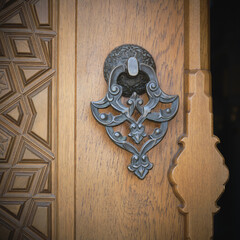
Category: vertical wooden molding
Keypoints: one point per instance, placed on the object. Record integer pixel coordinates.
(199, 173)
(66, 120)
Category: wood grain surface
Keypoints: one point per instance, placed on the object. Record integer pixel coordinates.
(66, 120)
(111, 202)
(199, 174)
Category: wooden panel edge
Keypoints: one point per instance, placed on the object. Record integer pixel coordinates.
(196, 34)
(66, 119)
(199, 173)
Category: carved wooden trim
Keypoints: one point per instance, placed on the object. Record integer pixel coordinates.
(199, 173)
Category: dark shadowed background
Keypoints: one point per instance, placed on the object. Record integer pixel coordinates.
(225, 68)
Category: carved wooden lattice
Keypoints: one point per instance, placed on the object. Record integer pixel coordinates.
(28, 104)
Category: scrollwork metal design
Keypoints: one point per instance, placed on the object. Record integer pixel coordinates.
(140, 163)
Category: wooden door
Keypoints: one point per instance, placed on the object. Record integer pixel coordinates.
(61, 177)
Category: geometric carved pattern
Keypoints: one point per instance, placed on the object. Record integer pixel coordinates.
(42, 20)
(28, 154)
(29, 74)
(40, 210)
(22, 46)
(21, 181)
(14, 113)
(27, 150)
(40, 102)
(1, 176)
(6, 231)
(15, 18)
(6, 83)
(2, 52)
(7, 139)
(24, 181)
(14, 208)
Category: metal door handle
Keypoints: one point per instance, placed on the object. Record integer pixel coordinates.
(130, 71)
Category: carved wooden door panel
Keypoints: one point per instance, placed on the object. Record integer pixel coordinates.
(28, 98)
(61, 177)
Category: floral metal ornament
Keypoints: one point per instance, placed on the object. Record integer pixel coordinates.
(130, 71)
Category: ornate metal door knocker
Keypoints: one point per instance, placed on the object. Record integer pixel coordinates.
(130, 71)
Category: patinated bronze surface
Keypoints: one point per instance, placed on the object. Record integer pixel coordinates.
(130, 71)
